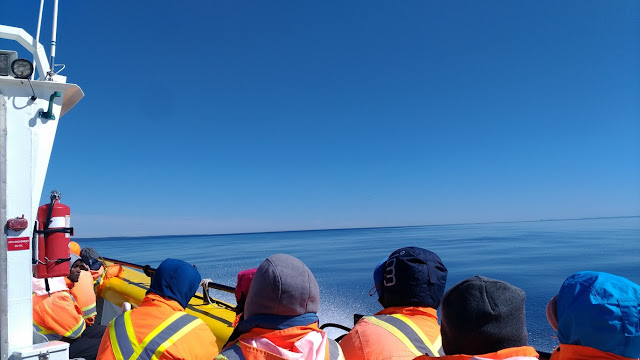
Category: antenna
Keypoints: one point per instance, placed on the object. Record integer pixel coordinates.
(53, 36)
(35, 45)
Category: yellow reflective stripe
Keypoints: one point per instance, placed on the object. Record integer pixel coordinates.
(175, 338)
(98, 281)
(42, 330)
(438, 345)
(397, 333)
(154, 332)
(71, 296)
(122, 338)
(76, 330)
(341, 356)
(89, 311)
(434, 349)
(130, 332)
(114, 341)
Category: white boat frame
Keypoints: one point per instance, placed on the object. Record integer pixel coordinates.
(26, 140)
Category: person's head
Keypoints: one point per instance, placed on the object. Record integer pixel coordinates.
(175, 280)
(598, 310)
(74, 248)
(91, 257)
(482, 315)
(242, 287)
(282, 285)
(411, 276)
(77, 265)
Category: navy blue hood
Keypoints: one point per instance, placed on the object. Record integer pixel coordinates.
(175, 280)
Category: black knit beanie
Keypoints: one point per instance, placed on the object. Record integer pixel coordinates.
(482, 315)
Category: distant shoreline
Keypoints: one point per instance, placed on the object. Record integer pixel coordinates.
(360, 228)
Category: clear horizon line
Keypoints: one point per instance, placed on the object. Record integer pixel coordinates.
(361, 228)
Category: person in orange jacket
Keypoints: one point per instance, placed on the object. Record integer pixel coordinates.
(482, 319)
(91, 258)
(57, 315)
(160, 328)
(280, 316)
(596, 317)
(80, 284)
(410, 284)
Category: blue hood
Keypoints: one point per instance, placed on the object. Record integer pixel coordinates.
(175, 280)
(600, 310)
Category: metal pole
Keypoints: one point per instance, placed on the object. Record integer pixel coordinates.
(37, 38)
(4, 295)
(53, 34)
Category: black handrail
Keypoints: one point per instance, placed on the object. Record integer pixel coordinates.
(149, 271)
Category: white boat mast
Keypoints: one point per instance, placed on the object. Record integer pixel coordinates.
(35, 43)
(54, 31)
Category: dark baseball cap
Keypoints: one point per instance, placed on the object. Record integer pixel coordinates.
(412, 276)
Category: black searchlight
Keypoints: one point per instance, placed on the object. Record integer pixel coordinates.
(22, 68)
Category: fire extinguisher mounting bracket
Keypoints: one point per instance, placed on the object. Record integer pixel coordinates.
(57, 230)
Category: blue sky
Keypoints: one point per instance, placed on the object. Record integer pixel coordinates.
(243, 116)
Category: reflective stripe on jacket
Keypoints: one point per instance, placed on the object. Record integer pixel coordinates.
(237, 352)
(575, 352)
(48, 334)
(407, 332)
(98, 278)
(515, 353)
(158, 329)
(84, 295)
(100, 275)
(394, 333)
(126, 346)
(57, 314)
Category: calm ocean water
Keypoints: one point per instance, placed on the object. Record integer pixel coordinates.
(535, 256)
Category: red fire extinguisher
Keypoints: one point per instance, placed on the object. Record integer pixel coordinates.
(54, 229)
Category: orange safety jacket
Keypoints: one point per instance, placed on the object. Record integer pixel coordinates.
(158, 329)
(400, 332)
(100, 275)
(285, 339)
(84, 295)
(521, 353)
(57, 316)
(574, 352)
